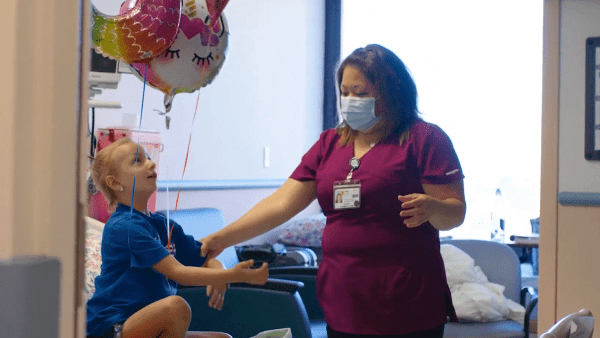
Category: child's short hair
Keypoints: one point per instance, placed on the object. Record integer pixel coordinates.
(102, 166)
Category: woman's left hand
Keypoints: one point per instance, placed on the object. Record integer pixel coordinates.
(418, 209)
(217, 295)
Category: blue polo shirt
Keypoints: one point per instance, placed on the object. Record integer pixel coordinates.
(132, 243)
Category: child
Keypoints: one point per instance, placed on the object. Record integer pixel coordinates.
(143, 260)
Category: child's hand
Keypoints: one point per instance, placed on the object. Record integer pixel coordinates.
(217, 295)
(252, 276)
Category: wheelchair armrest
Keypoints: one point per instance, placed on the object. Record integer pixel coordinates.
(532, 304)
(293, 270)
(527, 290)
(308, 276)
(274, 284)
(271, 284)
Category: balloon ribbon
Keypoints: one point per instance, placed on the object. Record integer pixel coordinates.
(138, 143)
(186, 161)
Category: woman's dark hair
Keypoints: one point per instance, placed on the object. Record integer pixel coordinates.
(396, 88)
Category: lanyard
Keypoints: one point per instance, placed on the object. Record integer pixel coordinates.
(346, 194)
(354, 164)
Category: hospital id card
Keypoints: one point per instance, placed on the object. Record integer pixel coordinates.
(346, 195)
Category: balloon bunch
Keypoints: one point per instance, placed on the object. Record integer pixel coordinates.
(174, 46)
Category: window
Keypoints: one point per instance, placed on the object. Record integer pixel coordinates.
(478, 69)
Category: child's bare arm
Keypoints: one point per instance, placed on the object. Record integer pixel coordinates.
(194, 276)
(213, 263)
(216, 293)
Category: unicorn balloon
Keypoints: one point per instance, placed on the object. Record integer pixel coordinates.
(196, 55)
(143, 30)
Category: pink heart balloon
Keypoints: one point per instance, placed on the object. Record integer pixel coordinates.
(195, 57)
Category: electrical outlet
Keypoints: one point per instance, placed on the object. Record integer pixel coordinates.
(266, 157)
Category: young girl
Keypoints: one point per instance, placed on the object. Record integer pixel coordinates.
(143, 259)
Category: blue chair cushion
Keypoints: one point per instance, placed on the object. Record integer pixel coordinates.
(201, 222)
(318, 328)
(500, 329)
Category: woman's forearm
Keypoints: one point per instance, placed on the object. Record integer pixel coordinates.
(264, 216)
(449, 214)
(271, 212)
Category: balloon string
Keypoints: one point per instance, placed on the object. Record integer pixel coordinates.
(143, 95)
(134, 176)
(169, 239)
(168, 220)
(138, 140)
(187, 153)
(195, 111)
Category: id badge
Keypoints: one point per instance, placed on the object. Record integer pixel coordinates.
(346, 195)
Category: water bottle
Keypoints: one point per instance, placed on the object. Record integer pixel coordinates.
(497, 231)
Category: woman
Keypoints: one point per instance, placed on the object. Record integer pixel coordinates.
(401, 182)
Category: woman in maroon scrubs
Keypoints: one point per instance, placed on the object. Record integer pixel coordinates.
(400, 182)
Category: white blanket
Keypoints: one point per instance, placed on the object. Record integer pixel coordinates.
(473, 296)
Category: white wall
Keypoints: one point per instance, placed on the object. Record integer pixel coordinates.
(268, 93)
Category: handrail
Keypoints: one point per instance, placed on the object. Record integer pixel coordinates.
(219, 184)
(586, 199)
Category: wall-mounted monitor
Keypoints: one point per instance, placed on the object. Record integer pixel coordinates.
(104, 72)
(592, 99)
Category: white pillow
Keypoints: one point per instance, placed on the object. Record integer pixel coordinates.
(473, 296)
(93, 257)
(478, 303)
(460, 267)
(298, 231)
(93, 227)
(307, 231)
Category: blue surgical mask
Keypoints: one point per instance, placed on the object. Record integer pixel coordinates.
(359, 112)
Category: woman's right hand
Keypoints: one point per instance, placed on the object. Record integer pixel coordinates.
(211, 246)
(246, 274)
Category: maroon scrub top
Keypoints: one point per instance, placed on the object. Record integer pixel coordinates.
(378, 276)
